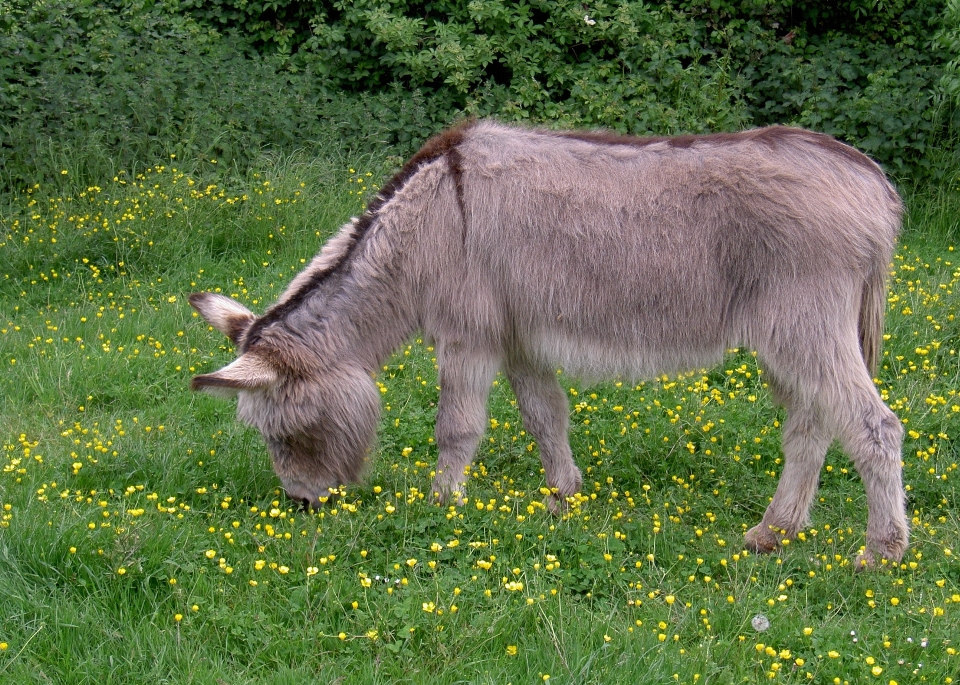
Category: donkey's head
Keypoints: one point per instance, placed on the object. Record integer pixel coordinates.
(317, 414)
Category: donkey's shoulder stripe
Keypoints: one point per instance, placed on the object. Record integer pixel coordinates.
(440, 145)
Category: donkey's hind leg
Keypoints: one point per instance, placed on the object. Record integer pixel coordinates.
(544, 409)
(872, 436)
(465, 379)
(805, 440)
(836, 397)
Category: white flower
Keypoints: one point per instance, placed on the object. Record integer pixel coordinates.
(588, 21)
(760, 623)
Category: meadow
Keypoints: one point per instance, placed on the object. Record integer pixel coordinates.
(144, 537)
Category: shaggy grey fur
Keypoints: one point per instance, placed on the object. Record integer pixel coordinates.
(528, 251)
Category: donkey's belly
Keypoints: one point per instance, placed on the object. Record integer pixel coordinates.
(590, 357)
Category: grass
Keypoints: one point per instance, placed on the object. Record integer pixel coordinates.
(144, 538)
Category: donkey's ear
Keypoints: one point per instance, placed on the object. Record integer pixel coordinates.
(228, 316)
(249, 372)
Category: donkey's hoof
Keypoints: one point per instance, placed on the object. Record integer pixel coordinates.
(309, 499)
(556, 505)
(319, 503)
(444, 494)
(864, 561)
(560, 505)
(761, 539)
(879, 552)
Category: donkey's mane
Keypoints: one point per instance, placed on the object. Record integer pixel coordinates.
(442, 144)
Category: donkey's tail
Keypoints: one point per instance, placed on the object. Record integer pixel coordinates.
(873, 303)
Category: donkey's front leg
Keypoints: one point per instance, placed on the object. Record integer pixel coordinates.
(544, 409)
(465, 379)
(805, 442)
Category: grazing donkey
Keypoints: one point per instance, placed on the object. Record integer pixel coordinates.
(528, 250)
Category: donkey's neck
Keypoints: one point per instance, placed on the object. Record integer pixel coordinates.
(369, 319)
(357, 298)
(351, 303)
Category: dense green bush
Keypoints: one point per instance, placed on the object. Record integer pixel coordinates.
(90, 89)
(883, 102)
(948, 38)
(861, 70)
(85, 83)
(865, 71)
(105, 84)
(630, 66)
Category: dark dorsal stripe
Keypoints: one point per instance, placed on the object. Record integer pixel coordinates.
(442, 144)
(770, 136)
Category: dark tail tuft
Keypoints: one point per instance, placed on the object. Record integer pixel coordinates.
(872, 305)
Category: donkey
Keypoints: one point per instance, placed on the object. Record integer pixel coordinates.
(527, 251)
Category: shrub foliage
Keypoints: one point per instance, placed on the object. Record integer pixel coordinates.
(131, 79)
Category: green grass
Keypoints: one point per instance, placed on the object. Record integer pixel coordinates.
(144, 538)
